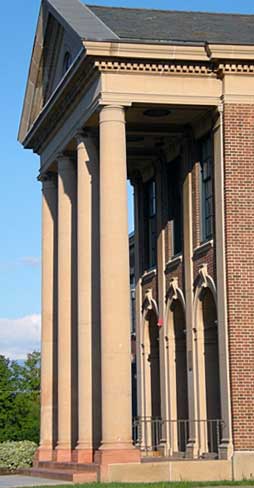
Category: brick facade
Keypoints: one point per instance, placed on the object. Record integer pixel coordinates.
(239, 207)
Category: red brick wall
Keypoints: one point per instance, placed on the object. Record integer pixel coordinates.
(239, 207)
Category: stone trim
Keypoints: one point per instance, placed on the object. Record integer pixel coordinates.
(148, 276)
(173, 263)
(202, 249)
(242, 68)
(149, 67)
(144, 50)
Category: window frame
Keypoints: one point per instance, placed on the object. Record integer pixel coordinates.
(150, 224)
(176, 237)
(206, 193)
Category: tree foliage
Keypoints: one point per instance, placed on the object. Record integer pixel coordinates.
(20, 399)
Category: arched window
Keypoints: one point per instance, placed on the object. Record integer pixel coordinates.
(67, 61)
(176, 370)
(180, 360)
(211, 351)
(207, 364)
(153, 359)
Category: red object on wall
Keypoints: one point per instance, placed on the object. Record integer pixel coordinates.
(160, 323)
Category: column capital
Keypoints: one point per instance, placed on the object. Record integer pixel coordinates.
(135, 177)
(64, 161)
(81, 135)
(220, 107)
(84, 137)
(112, 113)
(62, 156)
(48, 180)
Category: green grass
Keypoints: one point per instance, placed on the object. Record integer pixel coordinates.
(180, 484)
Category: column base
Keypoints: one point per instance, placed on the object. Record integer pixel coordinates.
(192, 450)
(82, 456)
(44, 454)
(63, 455)
(226, 450)
(115, 456)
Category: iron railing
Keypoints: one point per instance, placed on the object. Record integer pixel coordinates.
(171, 437)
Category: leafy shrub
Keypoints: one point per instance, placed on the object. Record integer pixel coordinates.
(15, 455)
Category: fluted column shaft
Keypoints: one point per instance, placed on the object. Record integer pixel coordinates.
(66, 196)
(49, 223)
(115, 288)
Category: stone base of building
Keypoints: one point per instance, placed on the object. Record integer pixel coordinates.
(243, 465)
(118, 466)
(115, 456)
(82, 456)
(195, 470)
(63, 455)
(44, 454)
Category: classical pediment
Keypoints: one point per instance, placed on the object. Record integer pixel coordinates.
(55, 47)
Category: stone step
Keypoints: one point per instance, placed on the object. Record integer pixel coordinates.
(68, 466)
(71, 475)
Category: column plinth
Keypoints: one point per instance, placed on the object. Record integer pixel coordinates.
(115, 292)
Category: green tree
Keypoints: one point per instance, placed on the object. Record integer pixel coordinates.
(27, 401)
(7, 398)
(20, 399)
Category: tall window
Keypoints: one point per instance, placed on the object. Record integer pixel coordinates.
(150, 223)
(207, 211)
(175, 204)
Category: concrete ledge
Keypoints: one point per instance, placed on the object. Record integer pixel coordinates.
(204, 470)
(138, 472)
(243, 465)
(183, 470)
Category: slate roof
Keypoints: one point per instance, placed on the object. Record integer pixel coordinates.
(81, 19)
(172, 26)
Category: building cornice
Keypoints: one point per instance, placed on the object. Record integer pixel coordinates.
(109, 65)
(214, 61)
(230, 52)
(236, 68)
(184, 51)
(123, 49)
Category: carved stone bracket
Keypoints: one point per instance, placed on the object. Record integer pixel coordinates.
(203, 274)
(149, 303)
(173, 288)
(48, 176)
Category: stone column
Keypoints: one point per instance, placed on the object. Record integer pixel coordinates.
(115, 292)
(66, 196)
(138, 291)
(86, 158)
(161, 283)
(226, 447)
(188, 277)
(49, 224)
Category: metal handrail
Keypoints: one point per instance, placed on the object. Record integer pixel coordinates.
(171, 437)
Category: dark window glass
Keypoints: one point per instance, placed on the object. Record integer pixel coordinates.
(175, 203)
(150, 223)
(206, 164)
(67, 62)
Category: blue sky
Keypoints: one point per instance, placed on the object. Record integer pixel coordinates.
(20, 209)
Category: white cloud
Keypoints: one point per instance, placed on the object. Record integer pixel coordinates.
(32, 261)
(20, 336)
